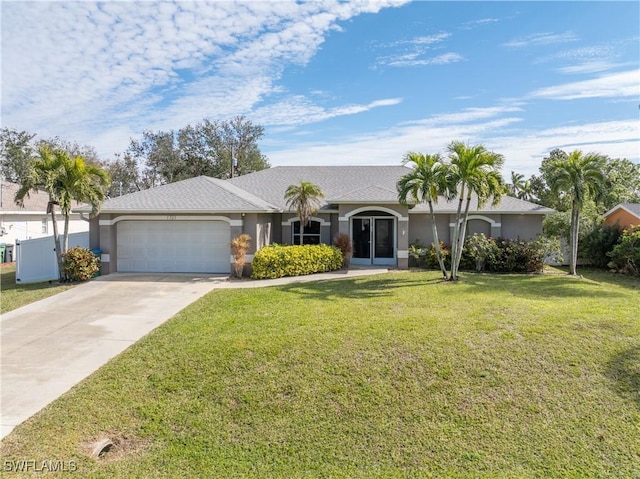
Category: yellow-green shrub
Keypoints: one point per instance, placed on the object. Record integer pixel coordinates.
(276, 261)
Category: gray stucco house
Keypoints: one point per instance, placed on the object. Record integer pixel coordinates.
(187, 226)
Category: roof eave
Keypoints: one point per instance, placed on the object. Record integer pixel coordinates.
(181, 212)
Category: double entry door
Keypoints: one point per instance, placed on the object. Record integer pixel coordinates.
(373, 240)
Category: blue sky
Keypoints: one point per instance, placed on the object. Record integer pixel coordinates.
(331, 82)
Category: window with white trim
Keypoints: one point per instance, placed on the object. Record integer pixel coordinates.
(45, 225)
(311, 233)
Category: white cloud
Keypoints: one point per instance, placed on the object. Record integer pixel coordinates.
(476, 23)
(413, 53)
(493, 127)
(424, 40)
(78, 68)
(594, 66)
(537, 39)
(615, 85)
(445, 58)
(298, 110)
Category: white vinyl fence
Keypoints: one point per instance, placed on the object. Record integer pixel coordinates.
(36, 258)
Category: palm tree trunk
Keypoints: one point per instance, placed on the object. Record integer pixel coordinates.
(301, 232)
(56, 238)
(436, 242)
(65, 246)
(463, 232)
(575, 226)
(456, 234)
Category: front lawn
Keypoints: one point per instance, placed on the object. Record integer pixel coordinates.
(398, 375)
(14, 295)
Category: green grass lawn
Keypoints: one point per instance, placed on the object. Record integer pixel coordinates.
(14, 295)
(397, 375)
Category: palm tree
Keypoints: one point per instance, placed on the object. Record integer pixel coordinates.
(83, 183)
(426, 181)
(305, 199)
(580, 177)
(517, 184)
(519, 187)
(474, 171)
(64, 180)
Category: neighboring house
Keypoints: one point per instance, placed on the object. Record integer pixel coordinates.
(31, 221)
(187, 226)
(623, 215)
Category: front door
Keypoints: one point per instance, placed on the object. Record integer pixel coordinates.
(373, 240)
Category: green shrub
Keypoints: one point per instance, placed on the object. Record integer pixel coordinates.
(516, 256)
(480, 252)
(276, 261)
(595, 244)
(488, 254)
(625, 256)
(431, 257)
(79, 264)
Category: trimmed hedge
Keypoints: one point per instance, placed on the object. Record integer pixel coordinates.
(276, 261)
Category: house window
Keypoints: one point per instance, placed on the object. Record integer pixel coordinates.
(311, 233)
(45, 224)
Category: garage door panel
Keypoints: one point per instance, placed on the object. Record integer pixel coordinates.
(173, 246)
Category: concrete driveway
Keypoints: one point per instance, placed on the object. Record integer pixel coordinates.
(51, 345)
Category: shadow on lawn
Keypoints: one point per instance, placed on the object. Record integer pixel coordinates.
(357, 288)
(624, 373)
(538, 286)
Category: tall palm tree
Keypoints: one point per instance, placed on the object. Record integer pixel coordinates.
(424, 183)
(474, 171)
(305, 199)
(64, 180)
(580, 177)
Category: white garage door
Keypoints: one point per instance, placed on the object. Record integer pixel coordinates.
(173, 246)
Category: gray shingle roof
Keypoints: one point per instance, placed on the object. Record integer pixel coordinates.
(263, 191)
(335, 181)
(507, 204)
(200, 194)
(368, 194)
(36, 202)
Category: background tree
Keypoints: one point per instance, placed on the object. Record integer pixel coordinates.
(427, 180)
(475, 171)
(208, 148)
(541, 187)
(16, 150)
(126, 176)
(305, 199)
(623, 182)
(578, 178)
(64, 180)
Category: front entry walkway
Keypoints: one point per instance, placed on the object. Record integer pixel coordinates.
(51, 345)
